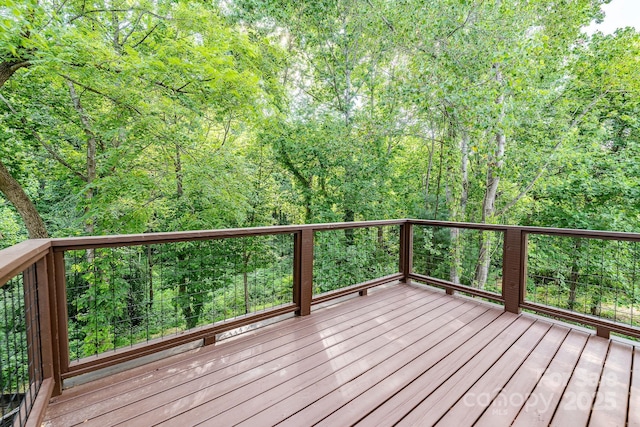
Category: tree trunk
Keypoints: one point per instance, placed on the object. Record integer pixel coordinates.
(429, 167)
(495, 163)
(349, 216)
(435, 212)
(178, 168)
(459, 212)
(8, 68)
(89, 226)
(16, 195)
(246, 256)
(574, 275)
(8, 185)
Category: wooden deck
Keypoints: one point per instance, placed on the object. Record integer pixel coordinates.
(405, 355)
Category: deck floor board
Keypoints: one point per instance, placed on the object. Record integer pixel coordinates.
(403, 354)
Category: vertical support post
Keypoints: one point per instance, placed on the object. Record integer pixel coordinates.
(406, 250)
(59, 310)
(303, 271)
(52, 286)
(42, 278)
(603, 332)
(514, 264)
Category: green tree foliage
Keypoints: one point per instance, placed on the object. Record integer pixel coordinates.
(140, 116)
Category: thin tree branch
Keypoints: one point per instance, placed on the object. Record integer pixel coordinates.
(97, 92)
(133, 28)
(464, 23)
(384, 19)
(145, 36)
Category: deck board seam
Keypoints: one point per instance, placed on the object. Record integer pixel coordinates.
(515, 369)
(425, 300)
(402, 366)
(429, 299)
(415, 342)
(218, 352)
(465, 366)
(342, 354)
(504, 316)
(554, 358)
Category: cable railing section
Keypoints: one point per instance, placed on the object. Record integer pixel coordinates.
(348, 257)
(588, 277)
(470, 259)
(25, 337)
(118, 297)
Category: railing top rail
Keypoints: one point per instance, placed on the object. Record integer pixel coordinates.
(567, 232)
(16, 258)
(470, 225)
(84, 242)
(589, 234)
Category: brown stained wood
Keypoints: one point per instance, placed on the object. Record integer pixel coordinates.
(406, 251)
(377, 358)
(227, 352)
(61, 323)
(230, 377)
(346, 404)
(476, 399)
(543, 400)
(411, 346)
(402, 402)
(361, 288)
(300, 332)
(582, 319)
(451, 287)
(612, 397)
(582, 388)
(54, 328)
(135, 351)
(289, 377)
(86, 242)
(510, 347)
(514, 261)
(613, 235)
(40, 405)
(46, 350)
(634, 393)
(15, 259)
(268, 337)
(303, 272)
(504, 408)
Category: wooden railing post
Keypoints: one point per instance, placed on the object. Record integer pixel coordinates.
(303, 271)
(60, 331)
(42, 279)
(514, 265)
(406, 250)
(52, 312)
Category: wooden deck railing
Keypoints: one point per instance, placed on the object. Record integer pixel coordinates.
(92, 302)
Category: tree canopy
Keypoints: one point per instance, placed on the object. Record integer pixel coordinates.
(155, 116)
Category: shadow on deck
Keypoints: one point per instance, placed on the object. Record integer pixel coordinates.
(404, 354)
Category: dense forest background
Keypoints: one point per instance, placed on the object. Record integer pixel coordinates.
(141, 116)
